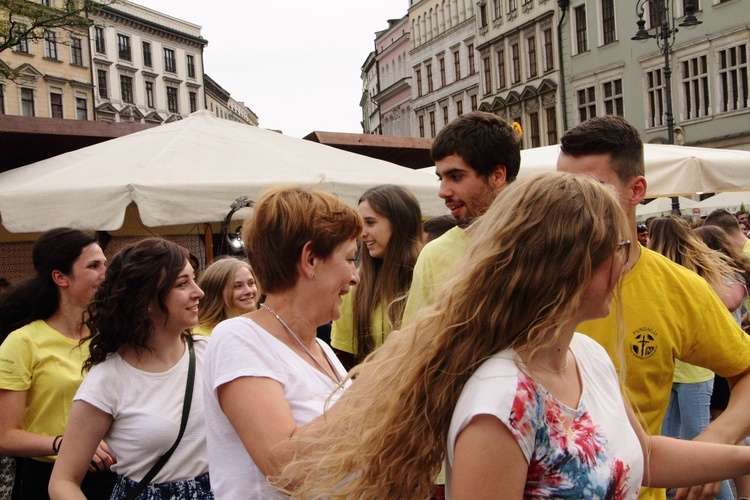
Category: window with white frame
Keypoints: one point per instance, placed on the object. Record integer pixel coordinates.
(418, 78)
(172, 104)
(56, 103)
(428, 75)
(483, 15)
(459, 108)
(457, 64)
(123, 47)
(420, 120)
(581, 30)
(441, 67)
(193, 100)
(608, 21)
(76, 51)
(432, 124)
(190, 66)
(613, 99)
(586, 103)
(150, 99)
(498, 11)
(512, 7)
(515, 60)
(472, 68)
(531, 52)
(126, 89)
(733, 78)
(23, 44)
(27, 102)
(50, 45)
(170, 63)
(534, 128)
(500, 54)
(487, 71)
(146, 49)
(473, 102)
(655, 93)
(445, 115)
(696, 97)
(99, 43)
(82, 108)
(551, 114)
(101, 82)
(549, 57)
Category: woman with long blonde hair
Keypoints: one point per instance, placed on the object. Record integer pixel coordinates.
(494, 377)
(689, 409)
(230, 291)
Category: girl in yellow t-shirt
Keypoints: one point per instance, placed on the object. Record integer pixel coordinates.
(230, 291)
(391, 241)
(41, 358)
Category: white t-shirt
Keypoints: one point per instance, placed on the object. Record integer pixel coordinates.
(147, 410)
(586, 452)
(240, 348)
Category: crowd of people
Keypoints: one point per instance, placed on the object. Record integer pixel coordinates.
(535, 343)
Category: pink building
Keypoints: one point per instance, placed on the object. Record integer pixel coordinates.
(394, 77)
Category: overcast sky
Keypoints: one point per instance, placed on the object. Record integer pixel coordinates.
(295, 63)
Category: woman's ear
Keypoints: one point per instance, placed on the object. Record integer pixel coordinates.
(308, 261)
(59, 279)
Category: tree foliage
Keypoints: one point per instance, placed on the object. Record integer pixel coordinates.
(28, 20)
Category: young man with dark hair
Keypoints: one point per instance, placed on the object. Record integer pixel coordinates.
(475, 157)
(668, 312)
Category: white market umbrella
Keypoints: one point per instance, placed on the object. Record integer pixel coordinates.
(186, 172)
(670, 170)
(663, 206)
(731, 201)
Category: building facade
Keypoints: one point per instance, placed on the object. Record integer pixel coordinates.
(53, 75)
(519, 67)
(612, 74)
(445, 75)
(147, 66)
(370, 88)
(392, 48)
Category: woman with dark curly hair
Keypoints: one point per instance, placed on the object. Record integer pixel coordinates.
(138, 386)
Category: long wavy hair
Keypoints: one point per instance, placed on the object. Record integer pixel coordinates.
(672, 237)
(39, 296)
(531, 257)
(139, 275)
(217, 283)
(717, 239)
(386, 281)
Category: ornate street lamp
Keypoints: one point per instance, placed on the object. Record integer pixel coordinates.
(664, 33)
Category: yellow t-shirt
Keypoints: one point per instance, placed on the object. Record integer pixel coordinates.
(433, 268)
(202, 330)
(669, 313)
(342, 332)
(47, 365)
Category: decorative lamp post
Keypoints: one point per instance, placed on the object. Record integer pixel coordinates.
(664, 33)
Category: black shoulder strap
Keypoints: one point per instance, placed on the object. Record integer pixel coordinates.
(143, 484)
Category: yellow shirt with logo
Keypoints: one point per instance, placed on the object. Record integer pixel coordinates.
(433, 268)
(47, 365)
(342, 332)
(669, 313)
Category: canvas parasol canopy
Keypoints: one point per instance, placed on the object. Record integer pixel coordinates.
(186, 172)
(670, 170)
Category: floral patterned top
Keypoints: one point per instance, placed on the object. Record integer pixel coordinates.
(586, 452)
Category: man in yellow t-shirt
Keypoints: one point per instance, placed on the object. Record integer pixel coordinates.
(668, 312)
(475, 157)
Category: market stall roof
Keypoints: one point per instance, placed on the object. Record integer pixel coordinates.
(187, 172)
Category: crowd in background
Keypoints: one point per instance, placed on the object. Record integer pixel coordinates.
(536, 342)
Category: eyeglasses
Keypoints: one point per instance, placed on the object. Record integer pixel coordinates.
(623, 248)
